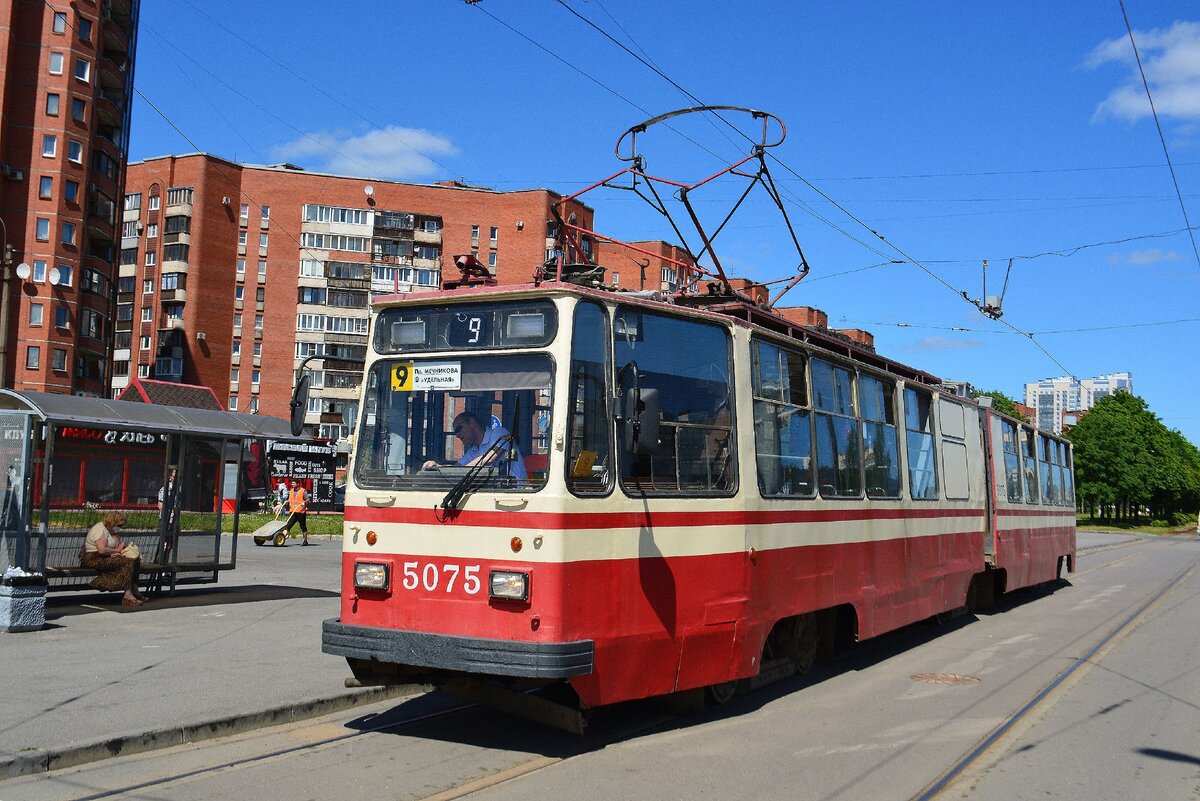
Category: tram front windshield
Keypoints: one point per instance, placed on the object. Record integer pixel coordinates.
(427, 422)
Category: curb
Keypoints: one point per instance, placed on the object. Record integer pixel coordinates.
(138, 743)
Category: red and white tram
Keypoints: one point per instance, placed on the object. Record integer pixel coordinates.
(674, 494)
(638, 495)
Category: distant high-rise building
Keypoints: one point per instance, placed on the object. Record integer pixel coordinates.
(231, 274)
(1050, 398)
(66, 79)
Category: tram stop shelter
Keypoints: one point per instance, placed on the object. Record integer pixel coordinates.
(69, 460)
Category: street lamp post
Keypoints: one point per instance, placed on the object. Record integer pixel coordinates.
(4, 278)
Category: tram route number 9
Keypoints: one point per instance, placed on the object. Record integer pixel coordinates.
(445, 577)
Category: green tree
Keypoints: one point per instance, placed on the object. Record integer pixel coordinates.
(1126, 461)
(1003, 404)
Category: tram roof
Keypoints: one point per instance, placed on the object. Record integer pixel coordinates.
(153, 418)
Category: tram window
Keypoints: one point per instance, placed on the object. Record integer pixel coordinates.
(1068, 475)
(1012, 460)
(954, 449)
(782, 422)
(918, 424)
(411, 411)
(687, 361)
(839, 456)
(1049, 471)
(589, 427)
(1030, 464)
(881, 445)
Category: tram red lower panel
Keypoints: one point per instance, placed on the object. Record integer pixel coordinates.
(1029, 554)
(661, 624)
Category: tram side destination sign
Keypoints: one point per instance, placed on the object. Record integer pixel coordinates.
(313, 462)
(409, 377)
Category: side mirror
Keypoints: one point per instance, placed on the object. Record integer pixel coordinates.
(641, 418)
(300, 403)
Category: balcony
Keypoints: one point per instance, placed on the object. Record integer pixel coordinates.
(174, 266)
(172, 295)
(179, 237)
(360, 284)
(344, 339)
(427, 237)
(123, 325)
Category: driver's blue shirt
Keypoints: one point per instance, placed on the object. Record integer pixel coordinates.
(516, 467)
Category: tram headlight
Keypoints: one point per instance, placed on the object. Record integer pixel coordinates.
(371, 576)
(509, 585)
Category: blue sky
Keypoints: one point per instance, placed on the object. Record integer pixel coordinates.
(957, 132)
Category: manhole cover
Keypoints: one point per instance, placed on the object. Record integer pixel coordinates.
(945, 678)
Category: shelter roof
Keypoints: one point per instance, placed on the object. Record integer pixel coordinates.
(127, 415)
(169, 393)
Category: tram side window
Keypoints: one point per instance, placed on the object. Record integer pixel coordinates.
(881, 446)
(688, 362)
(782, 423)
(1030, 460)
(918, 424)
(1049, 471)
(1068, 474)
(1012, 460)
(839, 457)
(589, 426)
(954, 449)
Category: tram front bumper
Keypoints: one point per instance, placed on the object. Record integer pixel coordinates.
(476, 655)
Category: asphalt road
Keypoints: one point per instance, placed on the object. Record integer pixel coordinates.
(886, 722)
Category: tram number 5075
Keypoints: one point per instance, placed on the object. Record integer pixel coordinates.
(433, 577)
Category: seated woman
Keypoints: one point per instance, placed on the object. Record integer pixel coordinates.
(102, 552)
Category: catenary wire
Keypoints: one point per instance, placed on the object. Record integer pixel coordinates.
(1158, 125)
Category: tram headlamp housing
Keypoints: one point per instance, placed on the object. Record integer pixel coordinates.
(371, 576)
(509, 585)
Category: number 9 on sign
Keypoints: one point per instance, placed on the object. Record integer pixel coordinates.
(402, 377)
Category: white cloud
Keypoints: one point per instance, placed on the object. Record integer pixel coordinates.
(944, 343)
(1171, 58)
(391, 152)
(1145, 258)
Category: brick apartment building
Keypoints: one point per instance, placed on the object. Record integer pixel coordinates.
(66, 77)
(230, 274)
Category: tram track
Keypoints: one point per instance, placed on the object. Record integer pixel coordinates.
(1000, 735)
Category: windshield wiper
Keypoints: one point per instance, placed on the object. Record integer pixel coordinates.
(454, 497)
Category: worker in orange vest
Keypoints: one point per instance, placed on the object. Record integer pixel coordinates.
(298, 506)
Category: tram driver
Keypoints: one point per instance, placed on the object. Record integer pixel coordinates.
(478, 443)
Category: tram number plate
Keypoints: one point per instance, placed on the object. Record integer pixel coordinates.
(433, 577)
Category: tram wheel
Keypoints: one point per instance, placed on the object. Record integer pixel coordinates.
(280, 539)
(723, 693)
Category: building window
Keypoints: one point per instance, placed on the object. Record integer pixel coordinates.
(62, 317)
(33, 357)
(262, 268)
(151, 258)
(65, 275)
(253, 406)
(42, 229)
(78, 110)
(133, 201)
(148, 286)
(144, 342)
(179, 195)
(234, 375)
(494, 233)
(154, 202)
(241, 266)
(174, 310)
(49, 145)
(60, 22)
(147, 314)
(75, 151)
(233, 403)
(71, 191)
(255, 375)
(45, 187)
(35, 313)
(68, 233)
(128, 229)
(238, 292)
(56, 63)
(258, 349)
(124, 312)
(260, 295)
(266, 213)
(83, 69)
(262, 240)
(242, 238)
(39, 266)
(236, 348)
(143, 371)
(237, 319)
(58, 361)
(258, 321)
(491, 260)
(244, 215)
(52, 104)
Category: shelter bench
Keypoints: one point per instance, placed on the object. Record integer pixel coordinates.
(63, 571)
